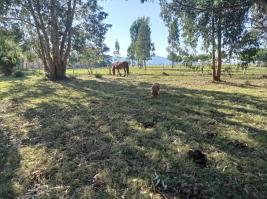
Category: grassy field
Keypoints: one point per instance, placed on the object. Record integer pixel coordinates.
(90, 137)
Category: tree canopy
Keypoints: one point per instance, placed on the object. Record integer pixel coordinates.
(219, 23)
(117, 49)
(141, 46)
(59, 25)
(173, 41)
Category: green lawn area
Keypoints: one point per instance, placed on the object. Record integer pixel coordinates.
(90, 137)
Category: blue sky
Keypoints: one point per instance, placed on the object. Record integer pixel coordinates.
(122, 13)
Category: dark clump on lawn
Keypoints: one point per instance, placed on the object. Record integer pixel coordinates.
(165, 74)
(147, 124)
(198, 157)
(209, 135)
(238, 144)
(192, 191)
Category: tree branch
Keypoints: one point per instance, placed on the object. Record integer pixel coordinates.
(17, 19)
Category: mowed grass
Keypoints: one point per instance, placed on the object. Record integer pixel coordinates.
(106, 137)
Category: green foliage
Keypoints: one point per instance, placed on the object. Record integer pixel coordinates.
(9, 55)
(141, 46)
(173, 41)
(116, 53)
(91, 56)
(248, 46)
(174, 57)
(117, 48)
(30, 56)
(248, 54)
(58, 27)
(131, 52)
(203, 57)
(219, 23)
(18, 73)
(261, 55)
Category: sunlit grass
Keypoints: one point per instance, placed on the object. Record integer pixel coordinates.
(106, 137)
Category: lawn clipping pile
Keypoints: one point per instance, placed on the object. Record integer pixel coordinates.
(107, 137)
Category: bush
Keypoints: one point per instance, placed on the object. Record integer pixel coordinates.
(6, 68)
(97, 75)
(18, 73)
(9, 55)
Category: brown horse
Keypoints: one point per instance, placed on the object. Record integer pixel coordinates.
(121, 65)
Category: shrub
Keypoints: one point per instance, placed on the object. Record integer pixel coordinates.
(18, 73)
(97, 75)
(9, 55)
(6, 68)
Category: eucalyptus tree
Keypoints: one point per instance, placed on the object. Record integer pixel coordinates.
(220, 23)
(258, 21)
(57, 25)
(141, 46)
(116, 53)
(173, 41)
(134, 29)
(131, 53)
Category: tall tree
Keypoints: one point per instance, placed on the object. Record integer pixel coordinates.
(131, 53)
(219, 23)
(141, 39)
(56, 23)
(116, 53)
(173, 41)
(134, 29)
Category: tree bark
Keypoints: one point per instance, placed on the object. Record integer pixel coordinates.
(54, 48)
(145, 64)
(219, 32)
(213, 49)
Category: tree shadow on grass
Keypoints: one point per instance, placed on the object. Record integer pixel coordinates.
(22, 92)
(111, 139)
(9, 162)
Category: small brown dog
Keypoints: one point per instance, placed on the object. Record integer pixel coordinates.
(155, 89)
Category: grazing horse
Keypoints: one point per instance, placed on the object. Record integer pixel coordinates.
(121, 65)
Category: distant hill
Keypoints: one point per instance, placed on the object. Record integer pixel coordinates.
(156, 60)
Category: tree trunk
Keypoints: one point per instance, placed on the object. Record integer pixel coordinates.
(214, 75)
(109, 70)
(172, 64)
(145, 64)
(57, 70)
(219, 49)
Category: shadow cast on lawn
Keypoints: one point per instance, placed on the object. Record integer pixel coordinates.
(9, 162)
(109, 141)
